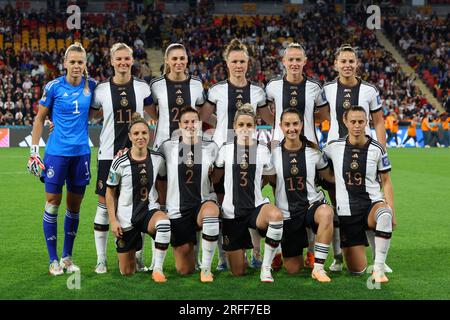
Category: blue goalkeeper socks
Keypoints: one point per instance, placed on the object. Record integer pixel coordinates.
(50, 232)
(71, 221)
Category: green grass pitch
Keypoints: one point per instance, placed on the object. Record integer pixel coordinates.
(418, 254)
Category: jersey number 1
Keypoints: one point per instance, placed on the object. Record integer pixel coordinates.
(76, 107)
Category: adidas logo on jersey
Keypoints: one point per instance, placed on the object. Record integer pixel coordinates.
(355, 156)
(65, 94)
(239, 97)
(190, 154)
(143, 171)
(179, 92)
(294, 161)
(123, 93)
(348, 95)
(294, 93)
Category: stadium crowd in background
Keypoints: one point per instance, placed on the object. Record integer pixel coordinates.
(422, 40)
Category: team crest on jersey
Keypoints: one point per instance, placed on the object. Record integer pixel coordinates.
(294, 169)
(346, 104)
(293, 102)
(179, 101)
(354, 165)
(244, 163)
(189, 160)
(143, 181)
(86, 92)
(124, 102)
(385, 160)
(50, 173)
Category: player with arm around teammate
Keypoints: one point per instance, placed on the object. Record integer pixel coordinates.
(172, 91)
(245, 161)
(135, 210)
(296, 161)
(361, 205)
(192, 204)
(118, 98)
(347, 90)
(296, 90)
(67, 156)
(225, 98)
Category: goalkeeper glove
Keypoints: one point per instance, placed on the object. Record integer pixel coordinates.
(35, 162)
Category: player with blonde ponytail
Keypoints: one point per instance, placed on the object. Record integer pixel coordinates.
(66, 100)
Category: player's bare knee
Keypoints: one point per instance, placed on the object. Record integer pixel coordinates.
(275, 215)
(127, 270)
(292, 268)
(323, 214)
(238, 272)
(210, 209)
(51, 208)
(185, 270)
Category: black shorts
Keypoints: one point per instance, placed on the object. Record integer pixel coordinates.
(184, 229)
(295, 238)
(353, 228)
(219, 187)
(102, 176)
(235, 231)
(131, 239)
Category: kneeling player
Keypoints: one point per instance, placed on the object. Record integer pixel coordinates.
(191, 202)
(135, 210)
(295, 160)
(361, 205)
(245, 161)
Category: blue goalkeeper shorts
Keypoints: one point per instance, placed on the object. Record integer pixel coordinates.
(74, 171)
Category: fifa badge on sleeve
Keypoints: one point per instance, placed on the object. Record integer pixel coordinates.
(385, 160)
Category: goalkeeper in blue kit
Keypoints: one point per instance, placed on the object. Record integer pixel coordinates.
(66, 100)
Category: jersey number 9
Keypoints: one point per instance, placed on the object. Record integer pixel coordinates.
(144, 194)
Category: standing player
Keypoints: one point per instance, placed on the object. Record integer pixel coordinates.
(345, 91)
(67, 155)
(245, 161)
(358, 161)
(296, 90)
(296, 161)
(118, 97)
(224, 98)
(171, 92)
(135, 210)
(192, 204)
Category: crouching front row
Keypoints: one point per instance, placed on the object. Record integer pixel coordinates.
(193, 163)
